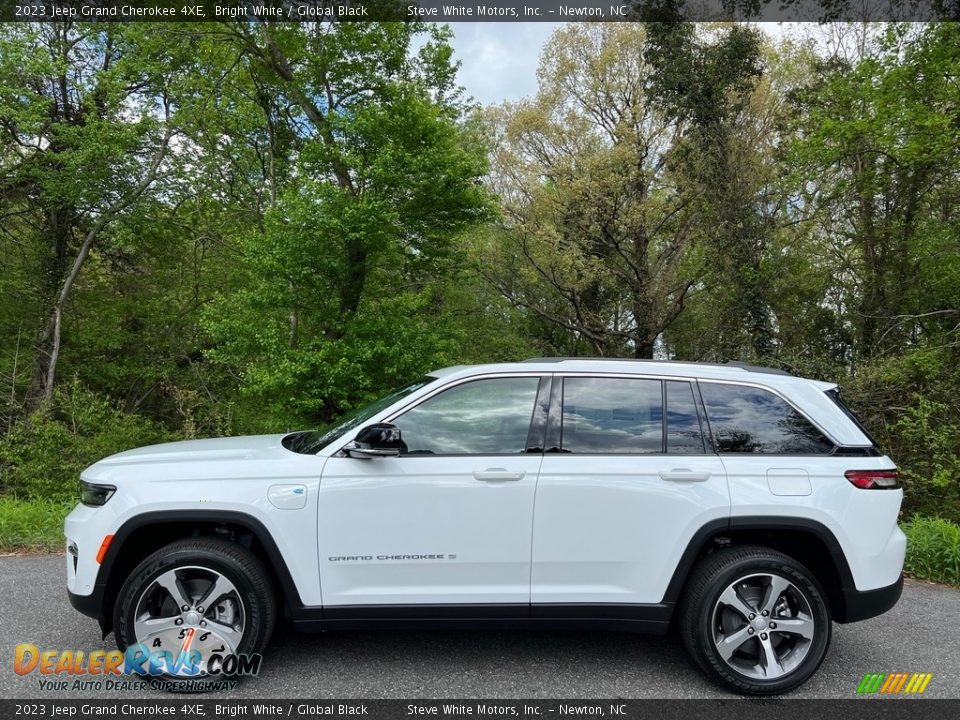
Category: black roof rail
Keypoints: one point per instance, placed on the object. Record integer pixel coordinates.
(757, 368)
(730, 363)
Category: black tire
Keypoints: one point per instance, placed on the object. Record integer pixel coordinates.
(232, 561)
(702, 617)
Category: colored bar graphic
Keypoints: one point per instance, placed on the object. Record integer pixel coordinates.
(871, 682)
(894, 683)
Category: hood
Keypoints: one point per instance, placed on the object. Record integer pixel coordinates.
(217, 449)
(191, 458)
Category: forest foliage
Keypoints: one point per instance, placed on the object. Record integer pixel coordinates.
(222, 229)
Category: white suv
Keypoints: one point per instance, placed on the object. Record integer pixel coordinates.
(745, 505)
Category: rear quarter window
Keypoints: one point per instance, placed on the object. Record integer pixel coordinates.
(750, 420)
(834, 395)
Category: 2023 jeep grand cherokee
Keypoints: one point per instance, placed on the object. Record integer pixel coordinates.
(746, 505)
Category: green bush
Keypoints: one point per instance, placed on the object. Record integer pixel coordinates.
(931, 467)
(32, 524)
(909, 403)
(42, 455)
(933, 549)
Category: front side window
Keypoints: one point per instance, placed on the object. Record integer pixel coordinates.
(481, 417)
(310, 443)
(612, 416)
(752, 420)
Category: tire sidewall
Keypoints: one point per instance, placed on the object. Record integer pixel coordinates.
(820, 611)
(164, 560)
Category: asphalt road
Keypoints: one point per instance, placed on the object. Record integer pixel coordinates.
(921, 634)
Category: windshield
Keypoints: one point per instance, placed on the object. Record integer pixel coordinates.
(311, 442)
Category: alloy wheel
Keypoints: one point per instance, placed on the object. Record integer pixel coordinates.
(190, 613)
(763, 626)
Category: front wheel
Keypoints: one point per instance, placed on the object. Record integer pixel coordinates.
(755, 620)
(192, 604)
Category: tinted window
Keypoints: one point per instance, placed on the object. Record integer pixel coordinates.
(612, 415)
(683, 425)
(483, 417)
(309, 443)
(751, 420)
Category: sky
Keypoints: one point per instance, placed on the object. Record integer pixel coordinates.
(499, 59)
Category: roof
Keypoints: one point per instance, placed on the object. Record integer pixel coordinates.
(663, 363)
(729, 371)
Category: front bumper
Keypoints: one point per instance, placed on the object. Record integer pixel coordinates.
(864, 604)
(92, 606)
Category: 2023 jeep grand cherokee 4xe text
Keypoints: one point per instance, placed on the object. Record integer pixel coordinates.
(745, 505)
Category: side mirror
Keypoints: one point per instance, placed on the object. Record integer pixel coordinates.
(378, 440)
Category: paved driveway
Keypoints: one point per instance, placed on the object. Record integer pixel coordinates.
(921, 634)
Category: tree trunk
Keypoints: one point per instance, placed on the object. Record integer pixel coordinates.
(872, 298)
(48, 344)
(643, 348)
(758, 318)
(49, 341)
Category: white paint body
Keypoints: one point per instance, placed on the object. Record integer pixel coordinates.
(563, 529)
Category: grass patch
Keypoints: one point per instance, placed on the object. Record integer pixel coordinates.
(933, 549)
(35, 525)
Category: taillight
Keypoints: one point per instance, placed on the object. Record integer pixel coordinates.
(873, 479)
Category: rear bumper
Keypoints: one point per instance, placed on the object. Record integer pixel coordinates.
(864, 604)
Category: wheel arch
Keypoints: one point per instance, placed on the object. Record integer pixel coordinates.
(809, 542)
(143, 534)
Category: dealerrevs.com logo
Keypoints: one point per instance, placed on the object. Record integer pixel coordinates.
(113, 670)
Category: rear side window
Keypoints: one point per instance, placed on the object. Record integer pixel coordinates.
(612, 416)
(752, 420)
(683, 425)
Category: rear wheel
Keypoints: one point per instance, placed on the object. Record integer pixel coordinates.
(755, 620)
(193, 600)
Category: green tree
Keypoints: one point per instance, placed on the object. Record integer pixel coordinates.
(705, 80)
(88, 115)
(876, 150)
(341, 291)
(598, 240)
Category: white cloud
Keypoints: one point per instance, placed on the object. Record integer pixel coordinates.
(499, 60)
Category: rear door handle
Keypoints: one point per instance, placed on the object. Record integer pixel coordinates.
(498, 475)
(685, 474)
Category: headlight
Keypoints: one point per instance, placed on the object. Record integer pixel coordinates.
(95, 495)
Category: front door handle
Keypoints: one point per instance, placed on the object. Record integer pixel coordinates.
(685, 474)
(498, 475)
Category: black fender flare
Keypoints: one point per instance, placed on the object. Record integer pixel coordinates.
(95, 604)
(772, 523)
